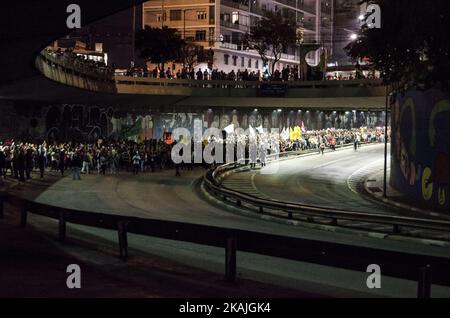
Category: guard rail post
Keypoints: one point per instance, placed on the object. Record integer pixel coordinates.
(230, 260)
(424, 283)
(395, 229)
(2, 204)
(62, 227)
(23, 215)
(123, 239)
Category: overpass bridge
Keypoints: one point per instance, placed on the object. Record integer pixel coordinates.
(324, 95)
(25, 33)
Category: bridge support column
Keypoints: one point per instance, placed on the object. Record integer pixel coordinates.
(230, 260)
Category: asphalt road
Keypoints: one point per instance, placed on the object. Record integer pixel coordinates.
(329, 180)
(162, 195)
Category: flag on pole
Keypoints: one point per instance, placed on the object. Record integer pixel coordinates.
(252, 132)
(284, 135)
(229, 129)
(260, 129)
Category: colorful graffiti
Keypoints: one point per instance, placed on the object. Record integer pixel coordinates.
(420, 162)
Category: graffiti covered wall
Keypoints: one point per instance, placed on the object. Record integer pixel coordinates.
(420, 160)
(81, 123)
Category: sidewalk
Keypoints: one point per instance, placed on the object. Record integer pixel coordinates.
(373, 185)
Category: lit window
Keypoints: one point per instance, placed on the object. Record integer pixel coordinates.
(201, 15)
(235, 17)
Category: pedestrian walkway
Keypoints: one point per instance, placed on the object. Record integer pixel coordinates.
(374, 184)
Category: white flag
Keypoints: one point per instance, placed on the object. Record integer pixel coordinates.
(260, 129)
(229, 129)
(252, 131)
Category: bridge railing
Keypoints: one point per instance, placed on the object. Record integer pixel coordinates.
(402, 265)
(75, 67)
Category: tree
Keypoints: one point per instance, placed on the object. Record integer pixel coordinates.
(159, 45)
(191, 55)
(271, 36)
(412, 46)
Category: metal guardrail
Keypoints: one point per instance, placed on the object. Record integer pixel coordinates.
(132, 80)
(104, 75)
(394, 264)
(213, 180)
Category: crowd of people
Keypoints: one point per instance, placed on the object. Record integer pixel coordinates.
(287, 73)
(19, 159)
(81, 63)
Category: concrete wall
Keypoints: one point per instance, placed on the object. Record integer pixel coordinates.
(83, 122)
(420, 162)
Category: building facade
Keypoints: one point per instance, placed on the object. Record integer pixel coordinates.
(222, 24)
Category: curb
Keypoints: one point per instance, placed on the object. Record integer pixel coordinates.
(371, 191)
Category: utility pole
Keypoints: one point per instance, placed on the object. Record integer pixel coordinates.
(385, 142)
(184, 24)
(133, 37)
(162, 14)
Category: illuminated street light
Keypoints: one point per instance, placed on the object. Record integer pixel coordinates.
(353, 36)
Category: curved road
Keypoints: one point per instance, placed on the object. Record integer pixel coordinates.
(163, 196)
(331, 180)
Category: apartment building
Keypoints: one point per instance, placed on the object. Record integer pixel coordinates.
(222, 24)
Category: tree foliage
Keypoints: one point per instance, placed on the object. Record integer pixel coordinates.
(159, 45)
(191, 55)
(271, 36)
(413, 44)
